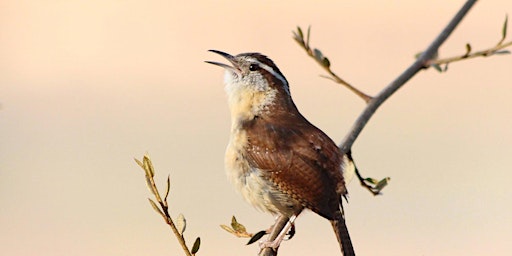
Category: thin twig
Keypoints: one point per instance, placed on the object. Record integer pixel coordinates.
(147, 166)
(180, 237)
(338, 79)
(325, 64)
(483, 53)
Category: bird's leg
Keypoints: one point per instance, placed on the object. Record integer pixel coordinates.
(274, 240)
(291, 232)
(274, 230)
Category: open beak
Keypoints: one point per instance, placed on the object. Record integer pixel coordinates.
(229, 57)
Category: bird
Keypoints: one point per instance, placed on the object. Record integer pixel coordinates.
(279, 161)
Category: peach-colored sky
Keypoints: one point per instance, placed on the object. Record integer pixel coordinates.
(85, 86)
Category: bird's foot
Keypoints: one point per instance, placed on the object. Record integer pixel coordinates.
(274, 245)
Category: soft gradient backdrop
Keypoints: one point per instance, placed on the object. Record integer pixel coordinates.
(86, 86)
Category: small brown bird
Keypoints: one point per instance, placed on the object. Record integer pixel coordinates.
(277, 159)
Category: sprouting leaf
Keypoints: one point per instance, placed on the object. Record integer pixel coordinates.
(504, 30)
(326, 62)
(318, 54)
(156, 208)
(181, 224)
(437, 67)
(149, 166)
(256, 237)
(445, 67)
(196, 245)
(502, 52)
(299, 30)
(168, 188)
(139, 163)
(468, 49)
(307, 39)
(239, 228)
(381, 184)
(236, 229)
(298, 36)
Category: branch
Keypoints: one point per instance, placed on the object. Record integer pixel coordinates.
(163, 210)
(418, 65)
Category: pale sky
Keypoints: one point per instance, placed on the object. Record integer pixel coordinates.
(86, 86)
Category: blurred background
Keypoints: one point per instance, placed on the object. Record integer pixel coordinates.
(86, 86)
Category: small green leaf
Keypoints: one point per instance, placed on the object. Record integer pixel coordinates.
(502, 52)
(298, 36)
(326, 62)
(371, 180)
(437, 67)
(256, 237)
(181, 224)
(237, 226)
(318, 55)
(147, 162)
(445, 67)
(307, 39)
(146, 168)
(168, 187)
(233, 221)
(139, 163)
(504, 30)
(196, 245)
(156, 208)
(298, 39)
(299, 31)
(468, 49)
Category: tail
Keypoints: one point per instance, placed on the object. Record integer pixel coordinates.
(341, 231)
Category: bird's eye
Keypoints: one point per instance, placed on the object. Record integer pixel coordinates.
(253, 67)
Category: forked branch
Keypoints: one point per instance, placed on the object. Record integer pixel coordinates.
(420, 63)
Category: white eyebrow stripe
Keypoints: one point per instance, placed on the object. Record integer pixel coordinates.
(274, 73)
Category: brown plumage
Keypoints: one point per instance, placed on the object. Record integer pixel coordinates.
(298, 158)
